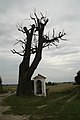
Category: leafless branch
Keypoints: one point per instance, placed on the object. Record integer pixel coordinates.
(19, 41)
(23, 47)
(54, 38)
(46, 21)
(36, 16)
(15, 52)
(53, 33)
(20, 28)
(33, 19)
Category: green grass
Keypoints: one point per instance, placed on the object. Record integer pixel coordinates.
(29, 104)
(58, 106)
(7, 88)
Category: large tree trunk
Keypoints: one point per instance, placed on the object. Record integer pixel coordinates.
(25, 73)
(24, 87)
(25, 70)
(24, 83)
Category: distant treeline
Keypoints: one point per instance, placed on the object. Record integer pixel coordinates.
(55, 83)
(47, 83)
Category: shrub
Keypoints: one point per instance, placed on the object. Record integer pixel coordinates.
(77, 78)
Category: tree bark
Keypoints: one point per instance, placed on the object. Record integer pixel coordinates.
(24, 87)
(24, 83)
(26, 71)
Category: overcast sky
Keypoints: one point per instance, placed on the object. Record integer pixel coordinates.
(58, 64)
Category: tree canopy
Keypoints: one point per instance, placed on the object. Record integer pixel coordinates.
(36, 29)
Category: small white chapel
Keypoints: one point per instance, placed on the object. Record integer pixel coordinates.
(39, 85)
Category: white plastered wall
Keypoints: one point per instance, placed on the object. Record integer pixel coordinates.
(43, 87)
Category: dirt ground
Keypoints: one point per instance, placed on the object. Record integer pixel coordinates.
(10, 116)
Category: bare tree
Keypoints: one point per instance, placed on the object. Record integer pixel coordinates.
(33, 43)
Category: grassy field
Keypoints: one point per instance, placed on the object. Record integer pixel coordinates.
(7, 88)
(66, 87)
(62, 103)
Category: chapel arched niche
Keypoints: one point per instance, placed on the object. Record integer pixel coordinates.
(39, 87)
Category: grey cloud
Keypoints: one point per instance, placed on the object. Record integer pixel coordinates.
(63, 50)
(9, 69)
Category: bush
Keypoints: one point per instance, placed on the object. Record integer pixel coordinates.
(77, 78)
